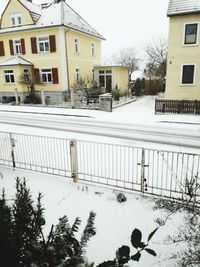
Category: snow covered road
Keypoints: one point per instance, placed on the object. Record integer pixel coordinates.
(162, 133)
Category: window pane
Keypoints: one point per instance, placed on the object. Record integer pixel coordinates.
(102, 81)
(44, 78)
(12, 79)
(41, 47)
(19, 20)
(49, 77)
(188, 74)
(46, 46)
(191, 34)
(7, 79)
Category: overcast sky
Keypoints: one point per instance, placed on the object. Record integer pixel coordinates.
(123, 22)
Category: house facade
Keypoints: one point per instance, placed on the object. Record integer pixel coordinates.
(49, 43)
(183, 66)
(112, 77)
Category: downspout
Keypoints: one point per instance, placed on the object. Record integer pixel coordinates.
(67, 62)
(65, 43)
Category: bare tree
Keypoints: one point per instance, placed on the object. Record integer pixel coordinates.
(127, 57)
(30, 79)
(156, 64)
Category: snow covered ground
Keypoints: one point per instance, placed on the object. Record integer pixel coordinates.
(114, 221)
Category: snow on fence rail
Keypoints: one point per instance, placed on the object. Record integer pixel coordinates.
(151, 171)
(177, 106)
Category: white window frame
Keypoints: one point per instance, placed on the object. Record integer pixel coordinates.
(194, 77)
(93, 49)
(16, 18)
(184, 32)
(46, 72)
(77, 75)
(9, 74)
(43, 42)
(17, 45)
(76, 46)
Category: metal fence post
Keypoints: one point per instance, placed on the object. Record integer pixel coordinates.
(74, 160)
(12, 143)
(143, 166)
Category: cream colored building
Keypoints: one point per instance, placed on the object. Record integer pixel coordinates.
(183, 66)
(50, 42)
(112, 77)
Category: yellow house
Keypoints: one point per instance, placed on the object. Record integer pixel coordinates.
(183, 67)
(50, 43)
(112, 77)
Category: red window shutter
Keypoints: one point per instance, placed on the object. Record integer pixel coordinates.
(23, 46)
(11, 47)
(55, 75)
(37, 75)
(34, 45)
(52, 41)
(2, 53)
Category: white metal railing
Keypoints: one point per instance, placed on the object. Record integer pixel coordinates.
(152, 171)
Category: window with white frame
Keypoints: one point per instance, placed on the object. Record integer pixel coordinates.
(76, 46)
(188, 72)
(191, 30)
(43, 44)
(46, 75)
(92, 49)
(17, 46)
(77, 75)
(16, 18)
(9, 76)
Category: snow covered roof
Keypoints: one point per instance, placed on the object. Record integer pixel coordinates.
(14, 61)
(53, 14)
(179, 7)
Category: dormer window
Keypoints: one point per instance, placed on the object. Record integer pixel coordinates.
(191, 33)
(76, 46)
(16, 18)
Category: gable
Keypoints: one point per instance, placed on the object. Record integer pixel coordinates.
(13, 11)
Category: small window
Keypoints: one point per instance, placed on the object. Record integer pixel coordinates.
(16, 18)
(9, 76)
(76, 46)
(93, 49)
(188, 74)
(78, 76)
(43, 44)
(17, 46)
(46, 76)
(191, 33)
(101, 71)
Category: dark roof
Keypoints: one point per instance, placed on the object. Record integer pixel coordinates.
(180, 7)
